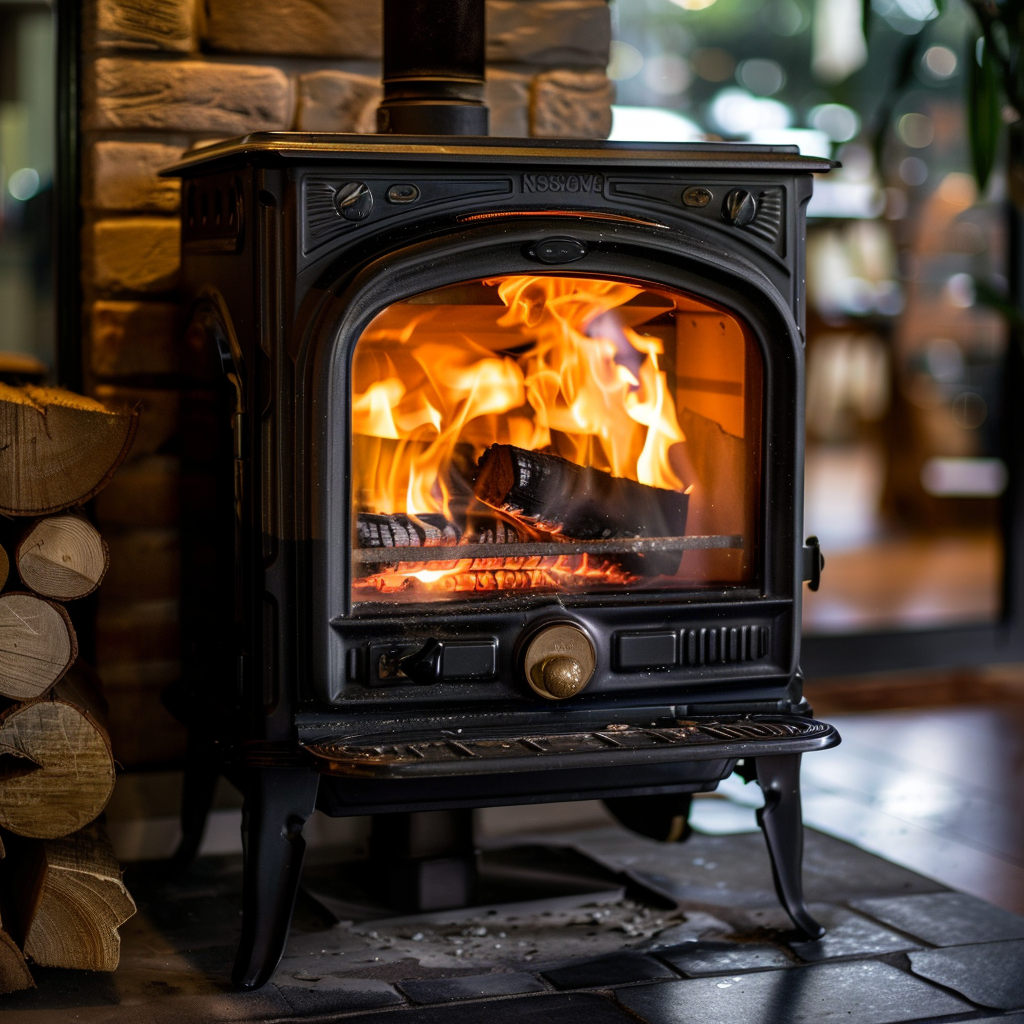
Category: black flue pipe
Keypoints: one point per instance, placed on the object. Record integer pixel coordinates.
(433, 68)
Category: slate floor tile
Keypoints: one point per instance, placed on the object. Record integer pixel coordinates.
(846, 934)
(990, 974)
(607, 971)
(477, 986)
(945, 918)
(851, 993)
(849, 934)
(564, 1008)
(698, 958)
(331, 994)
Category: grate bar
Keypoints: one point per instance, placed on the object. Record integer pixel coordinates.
(534, 549)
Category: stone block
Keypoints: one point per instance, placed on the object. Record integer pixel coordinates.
(123, 177)
(338, 101)
(139, 25)
(129, 339)
(123, 93)
(571, 105)
(558, 32)
(508, 99)
(132, 254)
(301, 28)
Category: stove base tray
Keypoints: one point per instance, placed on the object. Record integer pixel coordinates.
(485, 751)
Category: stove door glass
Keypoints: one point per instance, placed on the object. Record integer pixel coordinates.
(553, 434)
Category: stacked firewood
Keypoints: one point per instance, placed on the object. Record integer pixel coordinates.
(61, 895)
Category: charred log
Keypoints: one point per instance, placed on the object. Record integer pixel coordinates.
(396, 530)
(553, 494)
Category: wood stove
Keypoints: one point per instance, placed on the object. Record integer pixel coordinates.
(498, 499)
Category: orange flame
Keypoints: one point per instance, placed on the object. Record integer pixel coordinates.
(563, 372)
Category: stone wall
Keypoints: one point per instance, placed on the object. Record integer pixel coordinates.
(158, 76)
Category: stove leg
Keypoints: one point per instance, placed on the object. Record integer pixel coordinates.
(425, 860)
(783, 828)
(277, 803)
(202, 770)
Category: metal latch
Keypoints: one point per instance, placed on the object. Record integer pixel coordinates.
(814, 562)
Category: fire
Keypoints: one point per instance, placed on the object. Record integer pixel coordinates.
(559, 369)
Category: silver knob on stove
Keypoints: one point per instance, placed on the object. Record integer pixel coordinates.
(739, 207)
(353, 200)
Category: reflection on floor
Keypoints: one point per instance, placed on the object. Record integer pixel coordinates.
(937, 785)
(939, 792)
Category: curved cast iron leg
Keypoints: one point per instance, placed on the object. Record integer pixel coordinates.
(202, 770)
(277, 803)
(783, 828)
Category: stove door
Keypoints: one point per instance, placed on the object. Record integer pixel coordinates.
(553, 434)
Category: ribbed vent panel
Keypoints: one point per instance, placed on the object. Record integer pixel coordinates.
(768, 222)
(725, 645)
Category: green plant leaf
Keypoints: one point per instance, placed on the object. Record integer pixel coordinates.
(865, 17)
(984, 110)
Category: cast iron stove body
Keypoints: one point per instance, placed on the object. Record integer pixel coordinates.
(512, 475)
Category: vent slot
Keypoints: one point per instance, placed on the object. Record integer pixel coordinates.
(725, 645)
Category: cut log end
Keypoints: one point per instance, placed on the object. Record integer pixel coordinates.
(56, 769)
(37, 645)
(80, 902)
(59, 448)
(62, 557)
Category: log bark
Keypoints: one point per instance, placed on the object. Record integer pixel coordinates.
(390, 530)
(56, 767)
(37, 645)
(577, 501)
(57, 449)
(62, 557)
(5, 567)
(555, 495)
(72, 901)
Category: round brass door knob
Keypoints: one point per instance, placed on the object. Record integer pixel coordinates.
(559, 661)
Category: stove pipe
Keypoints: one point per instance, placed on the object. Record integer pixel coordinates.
(433, 68)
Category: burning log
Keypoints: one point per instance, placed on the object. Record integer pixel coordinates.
(37, 645)
(557, 496)
(62, 557)
(396, 530)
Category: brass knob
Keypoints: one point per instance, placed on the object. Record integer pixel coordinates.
(562, 676)
(559, 661)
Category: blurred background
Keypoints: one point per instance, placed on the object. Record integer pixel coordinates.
(27, 144)
(904, 361)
